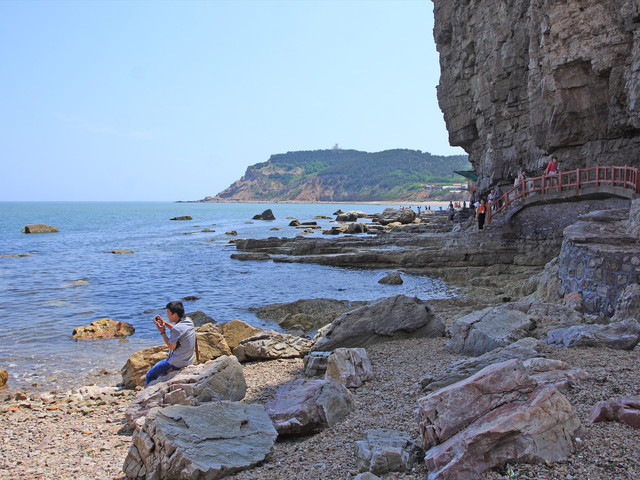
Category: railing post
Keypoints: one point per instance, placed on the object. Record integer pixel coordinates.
(577, 181)
(597, 175)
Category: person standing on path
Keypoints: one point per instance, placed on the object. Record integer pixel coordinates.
(553, 171)
(181, 341)
(480, 214)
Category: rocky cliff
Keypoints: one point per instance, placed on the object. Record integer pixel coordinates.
(524, 79)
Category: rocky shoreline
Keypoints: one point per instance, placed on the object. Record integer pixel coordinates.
(83, 433)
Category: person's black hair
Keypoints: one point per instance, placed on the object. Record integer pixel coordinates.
(176, 307)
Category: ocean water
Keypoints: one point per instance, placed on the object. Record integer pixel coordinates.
(70, 279)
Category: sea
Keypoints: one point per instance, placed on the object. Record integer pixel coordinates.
(70, 279)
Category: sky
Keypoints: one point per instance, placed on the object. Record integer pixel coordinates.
(153, 100)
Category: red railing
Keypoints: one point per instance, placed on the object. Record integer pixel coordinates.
(572, 181)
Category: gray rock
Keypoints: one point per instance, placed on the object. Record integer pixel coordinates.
(385, 451)
(200, 318)
(266, 215)
(385, 319)
(315, 364)
(306, 406)
(310, 314)
(349, 366)
(351, 216)
(393, 215)
(623, 335)
(523, 349)
(183, 217)
(215, 380)
(193, 442)
(628, 305)
(393, 278)
(270, 345)
(485, 330)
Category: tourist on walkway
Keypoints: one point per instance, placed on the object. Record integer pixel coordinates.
(553, 171)
(498, 197)
(480, 214)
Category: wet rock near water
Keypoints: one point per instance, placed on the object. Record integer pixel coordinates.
(310, 314)
(393, 278)
(404, 317)
(40, 228)
(121, 251)
(104, 328)
(182, 218)
(266, 215)
(4, 377)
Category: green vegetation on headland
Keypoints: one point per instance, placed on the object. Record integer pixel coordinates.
(338, 175)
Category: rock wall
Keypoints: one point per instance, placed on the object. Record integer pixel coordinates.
(524, 79)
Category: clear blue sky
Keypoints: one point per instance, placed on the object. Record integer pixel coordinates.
(172, 100)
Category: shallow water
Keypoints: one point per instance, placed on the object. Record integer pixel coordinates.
(70, 279)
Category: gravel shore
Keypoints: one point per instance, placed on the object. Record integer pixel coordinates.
(83, 435)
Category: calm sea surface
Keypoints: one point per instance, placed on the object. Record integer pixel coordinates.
(70, 279)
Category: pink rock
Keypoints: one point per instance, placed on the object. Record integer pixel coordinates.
(624, 410)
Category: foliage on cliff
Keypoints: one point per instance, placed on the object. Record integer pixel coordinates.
(345, 175)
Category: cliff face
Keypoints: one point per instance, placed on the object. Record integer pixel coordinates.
(524, 79)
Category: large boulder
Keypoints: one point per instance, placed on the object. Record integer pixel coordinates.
(396, 215)
(351, 216)
(393, 278)
(207, 441)
(523, 349)
(385, 451)
(484, 330)
(270, 345)
(39, 228)
(211, 344)
(138, 364)
(349, 366)
(385, 319)
(306, 406)
(310, 314)
(623, 410)
(103, 329)
(199, 318)
(235, 331)
(623, 335)
(508, 412)
(266, 215)
(219, 379)
(628, 305)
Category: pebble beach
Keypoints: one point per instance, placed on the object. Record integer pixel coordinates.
(82, 434)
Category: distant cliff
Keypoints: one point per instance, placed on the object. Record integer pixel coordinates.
(344, 176)
(524, 79)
